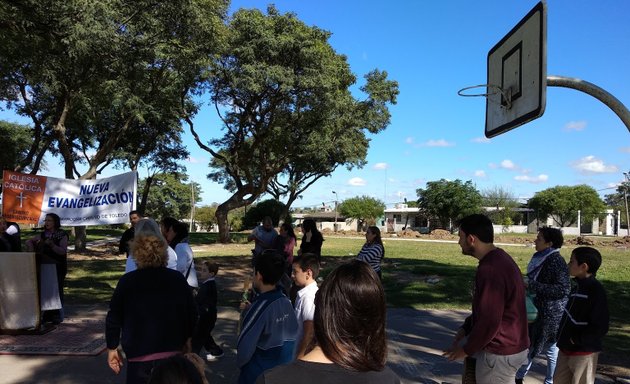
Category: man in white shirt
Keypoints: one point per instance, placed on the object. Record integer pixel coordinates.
(305, 271)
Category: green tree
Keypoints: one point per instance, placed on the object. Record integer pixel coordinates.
(15, 140)
(364, 209)
(205, 216)
(449, 201)
(284, 95)
(170, 196)
(89, 73)
(562, 204)
(271, 207)
(502, 202)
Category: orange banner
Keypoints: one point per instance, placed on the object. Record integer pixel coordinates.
(22, 197)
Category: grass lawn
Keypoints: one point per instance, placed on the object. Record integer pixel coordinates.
(415, 274)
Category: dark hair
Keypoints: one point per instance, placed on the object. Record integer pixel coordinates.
(289, 229)
(308, 261)
(55, 218)
(135, 212)
(349, 318)
(271, 265)
(211, 265)
(176, 370)
(180, 229)
(478, 225)
(553, 236)
(590, 256)
(309, 225)
(377, 240)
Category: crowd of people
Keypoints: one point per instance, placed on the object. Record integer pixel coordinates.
(296, 328)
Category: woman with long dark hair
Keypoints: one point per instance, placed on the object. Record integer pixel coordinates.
(312, 240)
(350, 340)
(373, 250)
(176, 233)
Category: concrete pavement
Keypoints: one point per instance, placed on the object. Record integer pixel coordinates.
(416, 341)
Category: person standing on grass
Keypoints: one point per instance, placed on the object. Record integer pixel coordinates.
(305, 272)
(373, 250)
(127, 236)
(263, 236)
(152, 313)
(548, 281)
(496, 330)
(585, 321)
(312, 240)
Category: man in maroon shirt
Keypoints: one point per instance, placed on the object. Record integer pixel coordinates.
(496, 331)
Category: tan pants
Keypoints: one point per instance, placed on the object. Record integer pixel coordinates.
(576, 369)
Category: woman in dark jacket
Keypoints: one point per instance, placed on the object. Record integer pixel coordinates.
(312, 240)
(548, 281)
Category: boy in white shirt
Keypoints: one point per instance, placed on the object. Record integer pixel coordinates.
(305, 272)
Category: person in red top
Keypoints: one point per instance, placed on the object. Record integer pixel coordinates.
(495, 334)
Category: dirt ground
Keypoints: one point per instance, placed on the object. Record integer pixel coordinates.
(235, 272)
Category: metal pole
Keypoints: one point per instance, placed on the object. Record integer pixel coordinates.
(599, 93)
(625, 196)
(336, 198)
(192, 206)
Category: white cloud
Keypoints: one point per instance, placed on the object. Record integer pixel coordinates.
(624, 149)
(480, 174)
(409, 140)
(508, 164)
(481, 140)
(591, 164)
(575, 126)
(380, 166)
(438, 143)
(532, 179)
(196, 160)
(357, 182)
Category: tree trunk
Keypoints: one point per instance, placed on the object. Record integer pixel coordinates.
(222, 220)
(145, 195)
(80, 238)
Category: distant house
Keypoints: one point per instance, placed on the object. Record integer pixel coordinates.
(402, 217)
(325, 219)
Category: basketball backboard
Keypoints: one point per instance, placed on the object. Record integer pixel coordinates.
(517, 74)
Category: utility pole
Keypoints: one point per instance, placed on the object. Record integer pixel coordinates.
(626, 183)
(192, 206)
(337, 198)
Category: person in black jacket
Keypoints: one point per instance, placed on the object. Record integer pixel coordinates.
(123, 246)
(585, 320)
(152, 313)
(206, 299)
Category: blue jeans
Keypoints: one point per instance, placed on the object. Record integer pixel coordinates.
(551, 352)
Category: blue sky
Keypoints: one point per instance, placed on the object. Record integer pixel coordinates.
(435, 48)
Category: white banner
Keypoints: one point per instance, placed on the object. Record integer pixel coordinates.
(28, 198)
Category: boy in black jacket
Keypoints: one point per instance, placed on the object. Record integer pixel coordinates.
(207, 304)
(585, 320)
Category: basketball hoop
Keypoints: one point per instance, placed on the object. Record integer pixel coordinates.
(506, 97)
